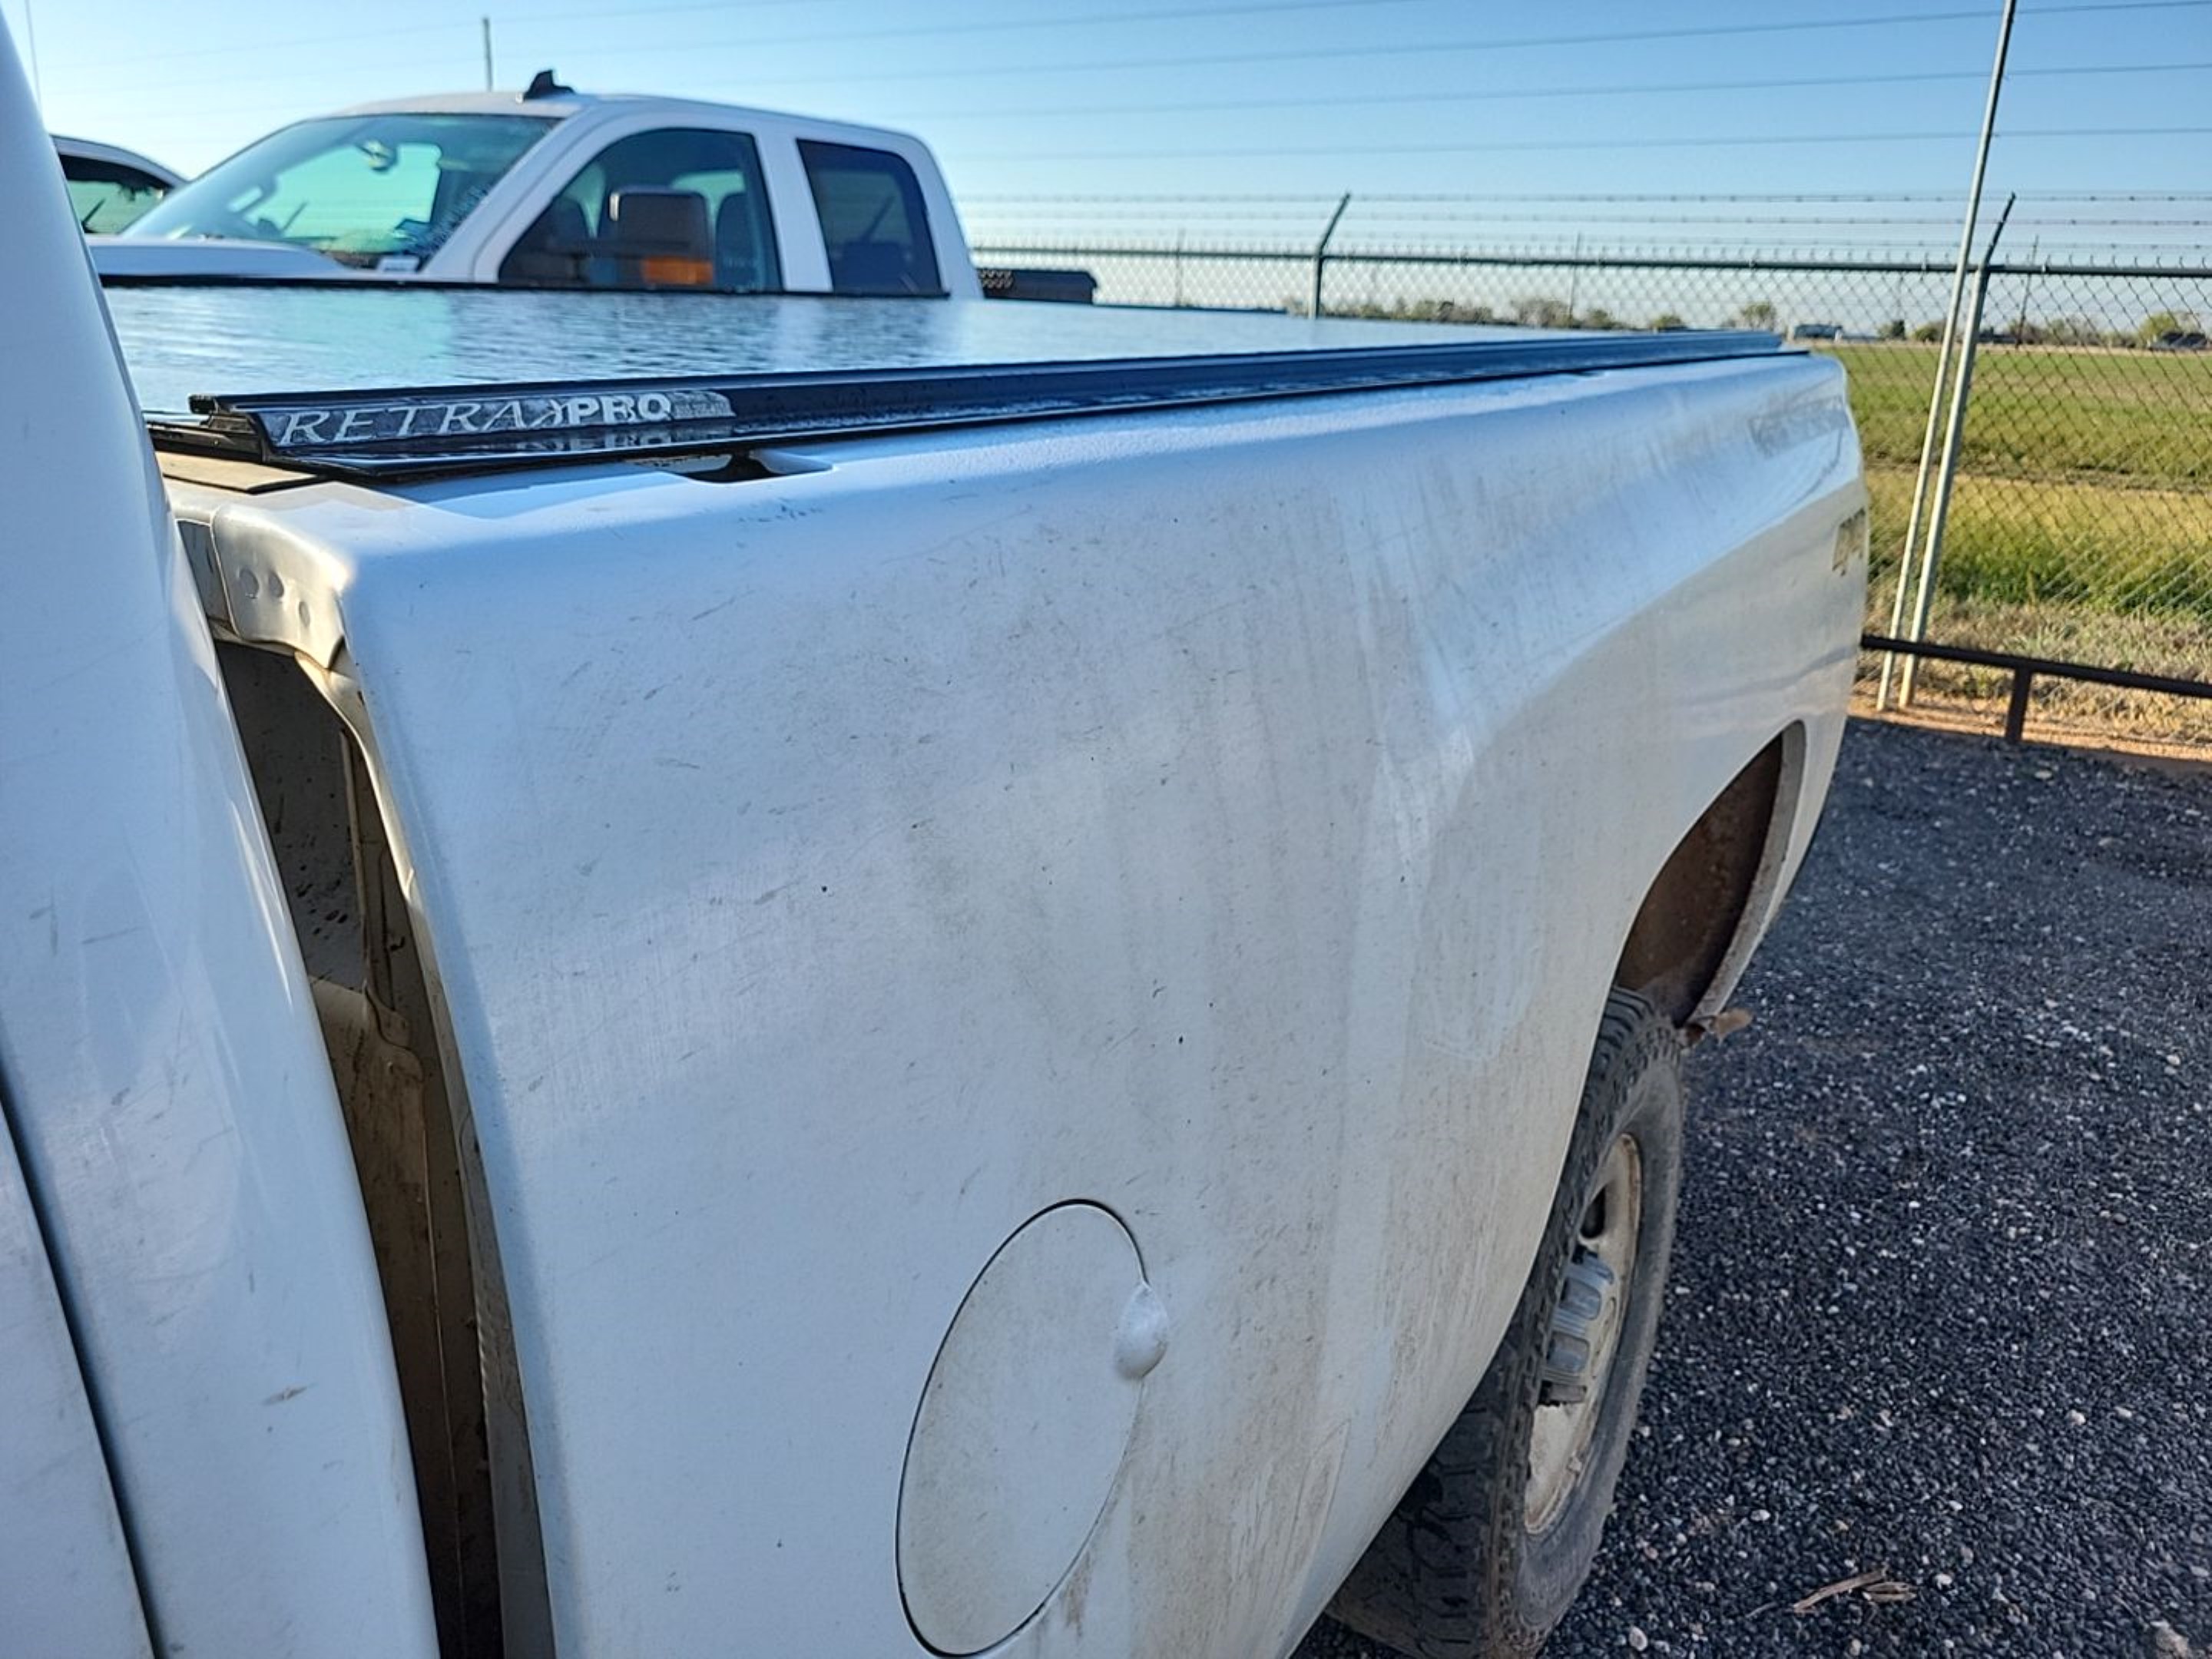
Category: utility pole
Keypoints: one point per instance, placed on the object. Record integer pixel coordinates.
(2021, 324)
(486, 22)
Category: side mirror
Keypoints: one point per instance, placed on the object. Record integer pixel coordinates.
(660, 238)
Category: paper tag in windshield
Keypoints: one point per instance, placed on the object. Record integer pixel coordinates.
(400, 262)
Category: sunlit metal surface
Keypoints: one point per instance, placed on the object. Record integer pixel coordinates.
(182, 340)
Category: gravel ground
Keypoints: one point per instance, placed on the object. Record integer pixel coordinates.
(1942, 1291)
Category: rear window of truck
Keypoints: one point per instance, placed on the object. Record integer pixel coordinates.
(874, 227)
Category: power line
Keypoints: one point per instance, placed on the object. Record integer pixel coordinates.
(689, 6)
(1237, 8)
(263, 49)
(1640, 142)
(1496, 43)
(602, 15)
(1174, 14)
(969, 112)
(1359, 100)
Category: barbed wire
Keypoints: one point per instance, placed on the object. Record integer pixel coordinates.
(2019, 221)
(1589, 196)
(1637, 141)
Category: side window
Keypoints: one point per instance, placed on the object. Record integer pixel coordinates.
(676, 208)
(874, 223)
(106, 196)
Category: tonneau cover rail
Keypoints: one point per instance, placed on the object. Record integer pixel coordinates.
(411, 431)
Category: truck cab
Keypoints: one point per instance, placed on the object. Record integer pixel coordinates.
(554, 188)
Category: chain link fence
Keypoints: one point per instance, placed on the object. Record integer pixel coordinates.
(2079, 523)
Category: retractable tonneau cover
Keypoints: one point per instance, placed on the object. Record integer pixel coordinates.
(385, 383)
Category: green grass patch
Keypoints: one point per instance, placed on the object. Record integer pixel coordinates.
(2068, 543)
(2134, 418)
(2085, 482)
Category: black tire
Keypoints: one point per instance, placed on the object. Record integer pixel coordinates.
(1456, 1573)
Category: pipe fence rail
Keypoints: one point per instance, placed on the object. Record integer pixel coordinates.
(2075, 527)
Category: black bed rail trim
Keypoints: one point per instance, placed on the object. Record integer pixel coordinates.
(426, 429)
(2024, 670)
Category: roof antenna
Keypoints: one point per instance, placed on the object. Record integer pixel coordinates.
(543, 85)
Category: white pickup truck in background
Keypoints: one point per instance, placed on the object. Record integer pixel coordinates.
(110, 186)
(793, 976)
(554, 188)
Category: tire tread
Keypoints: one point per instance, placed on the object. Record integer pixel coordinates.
(1438, 1581)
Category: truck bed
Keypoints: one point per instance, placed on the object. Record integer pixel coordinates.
(393, 381)
(748, 901)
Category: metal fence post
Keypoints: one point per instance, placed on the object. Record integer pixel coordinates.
(1320, 249)
(2026, 292)
(1943, 352)
(1953, 433)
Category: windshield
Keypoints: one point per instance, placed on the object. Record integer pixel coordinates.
(366, 190)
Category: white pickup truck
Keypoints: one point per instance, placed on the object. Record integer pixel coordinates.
(110, 186)
(692, 976)
(553, 188)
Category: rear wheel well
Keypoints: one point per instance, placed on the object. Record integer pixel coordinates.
(1683, 943)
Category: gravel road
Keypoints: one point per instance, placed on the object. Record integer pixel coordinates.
(1942, 1292)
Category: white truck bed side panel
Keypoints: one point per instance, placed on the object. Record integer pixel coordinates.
(1228, 817)
(166, 1083)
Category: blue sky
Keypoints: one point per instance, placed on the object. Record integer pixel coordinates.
(1139, 96)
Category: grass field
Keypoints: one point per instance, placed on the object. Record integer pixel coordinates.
(2058, 543)
(2142, 418)
(2080, 522)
